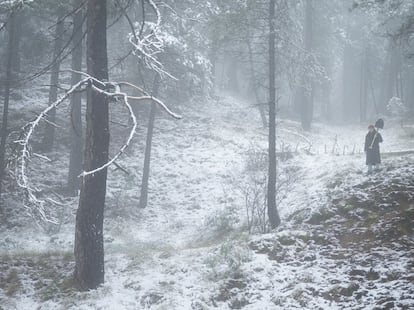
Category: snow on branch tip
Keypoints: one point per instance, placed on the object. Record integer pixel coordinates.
(147, 40)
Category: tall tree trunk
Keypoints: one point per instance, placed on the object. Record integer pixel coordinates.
(390, 77)
(232, 74)
(19, 20)
(49, 136)
(75, 161)
(254, 84)
(363, 100)
(89, 247)
(143, 200)
(7, 84)
(410, 100)
(307, 88)
(273, 214)
(213, 61)
(351, 69)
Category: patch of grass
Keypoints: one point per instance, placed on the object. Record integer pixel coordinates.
(12, 283)
(48, 273)
(222, 222)
(227, 260)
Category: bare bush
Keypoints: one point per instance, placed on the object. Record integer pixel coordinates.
(253, 187)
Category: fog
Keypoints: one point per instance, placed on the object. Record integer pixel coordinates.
(246, 154)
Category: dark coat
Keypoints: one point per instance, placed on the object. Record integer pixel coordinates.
(372, 149)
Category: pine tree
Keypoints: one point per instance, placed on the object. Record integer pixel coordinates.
(89, 247)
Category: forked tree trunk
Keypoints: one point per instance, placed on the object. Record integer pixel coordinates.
(143, 200)
(89, 247)
(7, 84)
(49, 136)
(75, 161)
(273, 214)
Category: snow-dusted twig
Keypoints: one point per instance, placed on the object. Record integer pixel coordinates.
(147, 42)
(124, 96)
(42, 157)
(23, 180)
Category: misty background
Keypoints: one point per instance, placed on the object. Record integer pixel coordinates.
(206, 154)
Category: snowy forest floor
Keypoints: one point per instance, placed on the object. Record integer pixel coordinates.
(346, 239)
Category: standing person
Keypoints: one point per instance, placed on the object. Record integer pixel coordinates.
(372, 150)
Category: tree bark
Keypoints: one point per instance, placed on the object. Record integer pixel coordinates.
(89, 247)
(273, 214)
(7, 85)
(49, 136)
(143, 200)
(75, 161)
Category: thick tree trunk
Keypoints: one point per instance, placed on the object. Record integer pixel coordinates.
(273, 214)
(7, 84)
(75, 161)
(49, 136)
(307, 89)
(143, 200)
(89, 248)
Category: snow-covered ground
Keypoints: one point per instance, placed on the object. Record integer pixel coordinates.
(189, 249)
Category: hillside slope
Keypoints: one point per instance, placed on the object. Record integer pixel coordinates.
(345, 241)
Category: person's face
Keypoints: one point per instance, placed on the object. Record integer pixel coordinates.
(371, 129)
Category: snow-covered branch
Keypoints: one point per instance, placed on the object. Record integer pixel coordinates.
(23, 180)
(147, 41)
(111, 90)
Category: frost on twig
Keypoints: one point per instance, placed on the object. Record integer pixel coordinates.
(147, 41)
(38, 207)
